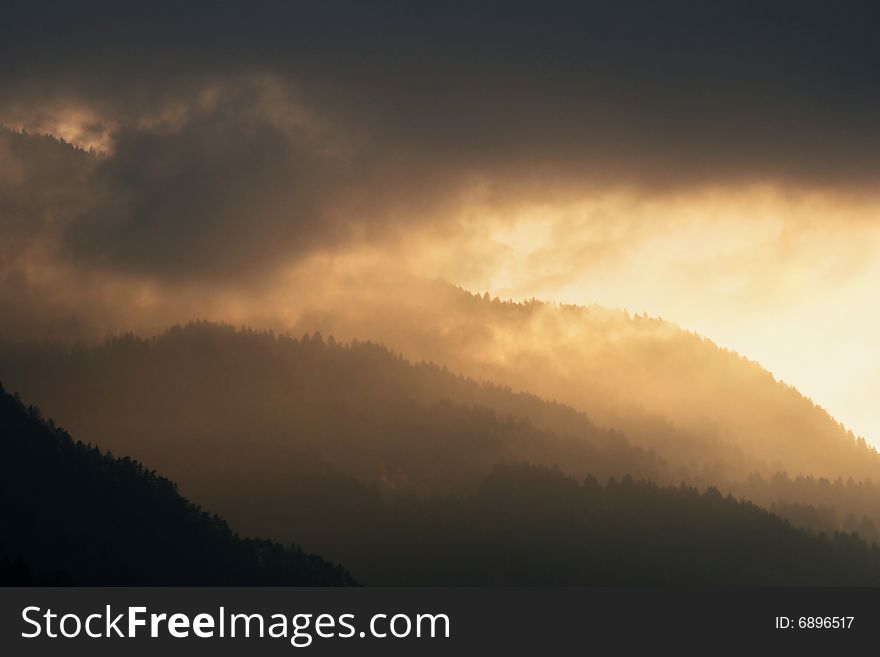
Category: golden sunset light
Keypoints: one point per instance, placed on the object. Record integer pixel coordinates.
(564, 299)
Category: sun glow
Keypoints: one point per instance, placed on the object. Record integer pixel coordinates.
(787, 279)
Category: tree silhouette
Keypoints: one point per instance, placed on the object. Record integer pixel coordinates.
(72, 514)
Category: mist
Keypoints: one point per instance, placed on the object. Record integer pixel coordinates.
(414, 262)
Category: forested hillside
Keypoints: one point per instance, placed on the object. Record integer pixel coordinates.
(631, 372)
(531, 525)
(72, 514)
(211, 396)
(247, 421)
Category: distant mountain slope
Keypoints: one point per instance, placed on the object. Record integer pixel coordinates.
(206, 398)
(247, 421)
(624, 371)
(530, 525)
(72, 514)
(347, 450)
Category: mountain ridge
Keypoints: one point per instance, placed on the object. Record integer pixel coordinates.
(72, 514)
(273, 417)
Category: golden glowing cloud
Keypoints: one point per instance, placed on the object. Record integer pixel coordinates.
(785, 277)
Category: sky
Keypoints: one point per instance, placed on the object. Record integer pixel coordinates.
(714, 164)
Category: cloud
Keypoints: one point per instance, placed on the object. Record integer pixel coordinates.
(241, 134)
(665, 94)
(603, 152)
(231, 189)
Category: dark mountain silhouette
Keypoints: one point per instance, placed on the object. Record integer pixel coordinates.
(248, 421)
(71, 514)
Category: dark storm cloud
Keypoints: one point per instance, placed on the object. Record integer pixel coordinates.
(228, 181)
(406, 102)
(227, 190)
(647, 89)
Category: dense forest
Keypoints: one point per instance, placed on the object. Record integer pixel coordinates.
(257, 427)
(531, 525)
(72, 514)
(206, 398)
